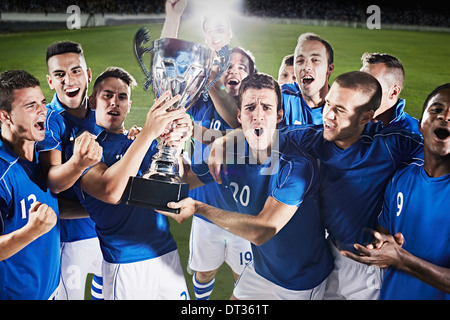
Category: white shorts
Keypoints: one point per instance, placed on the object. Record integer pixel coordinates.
(159, 278)
(252, 286)
(211, 245)
(351, 280)
(78, 259)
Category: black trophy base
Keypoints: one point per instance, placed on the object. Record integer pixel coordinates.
(155, 194)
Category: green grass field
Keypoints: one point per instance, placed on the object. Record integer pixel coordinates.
(424, 55)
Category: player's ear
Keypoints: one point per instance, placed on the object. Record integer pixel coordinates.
(89, 74)
(50, 82)
(279, 115)
(4, 116)
(129, 106)
(394, 92)
(330, 69)
(367, 116)
(239, 115)
(92, 103)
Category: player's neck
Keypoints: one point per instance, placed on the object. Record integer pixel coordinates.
(318, 99)
(21, 147)
(385, 116)
(81, 112)
(436, 166)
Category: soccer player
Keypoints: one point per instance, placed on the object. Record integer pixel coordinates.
(415, 211)
(276, 195)
(357, 158)
(303, 100)
(140, 258)
(210, 245)
(29, 215)
(68, 116)
(286, 72)
(388, 70)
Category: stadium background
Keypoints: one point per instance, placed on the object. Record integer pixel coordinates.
(269, 29)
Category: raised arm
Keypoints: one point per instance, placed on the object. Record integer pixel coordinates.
(108, 183)
(174, 10)
(226, 106)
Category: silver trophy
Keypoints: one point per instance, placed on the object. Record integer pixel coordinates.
(183, 68)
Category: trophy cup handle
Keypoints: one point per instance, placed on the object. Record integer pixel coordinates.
(224, 55)
(142, 36)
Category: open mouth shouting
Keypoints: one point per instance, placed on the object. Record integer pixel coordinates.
(258, 131)
(442, 133)
(307, 80)
(72, 92)
(233, 82)
(40, 126)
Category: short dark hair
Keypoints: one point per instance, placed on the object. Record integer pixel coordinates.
(11, 80)
(260, 81)
(433, 93)
(62, 47)
(114, 72)
(250, 57)
(288, 60)
(392, 63)
(309, 36)
(364, 82)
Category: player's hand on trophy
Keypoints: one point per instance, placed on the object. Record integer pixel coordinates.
(41, 219)
(181, 131)
(159, 120)
(187, 208)
(87, 152)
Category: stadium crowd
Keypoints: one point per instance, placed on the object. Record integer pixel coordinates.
(348, 10)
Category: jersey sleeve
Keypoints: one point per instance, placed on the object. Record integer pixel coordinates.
(54, 130)
(384, 217)
(403, 145)
(4, 204)
(296, 178)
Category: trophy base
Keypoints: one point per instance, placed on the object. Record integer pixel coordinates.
(155, 194)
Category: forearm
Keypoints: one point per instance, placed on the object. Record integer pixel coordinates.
(245, 226)
(61, 177)
(425, 271)
(15, 241)
(225, 105)
(109, 183)
(170, 27)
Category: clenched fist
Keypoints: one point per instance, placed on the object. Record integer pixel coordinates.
(87, 152)
(41, 219)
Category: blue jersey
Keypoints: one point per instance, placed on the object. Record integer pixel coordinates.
(417, 206)
(295, 109)
(352, 181)
(33, 272)
(126, 233)
(204, 114)
(298, 256)
(401, 119)
(61, 130)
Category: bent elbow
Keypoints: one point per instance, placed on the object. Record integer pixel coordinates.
(112, 196)
(261, 236)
